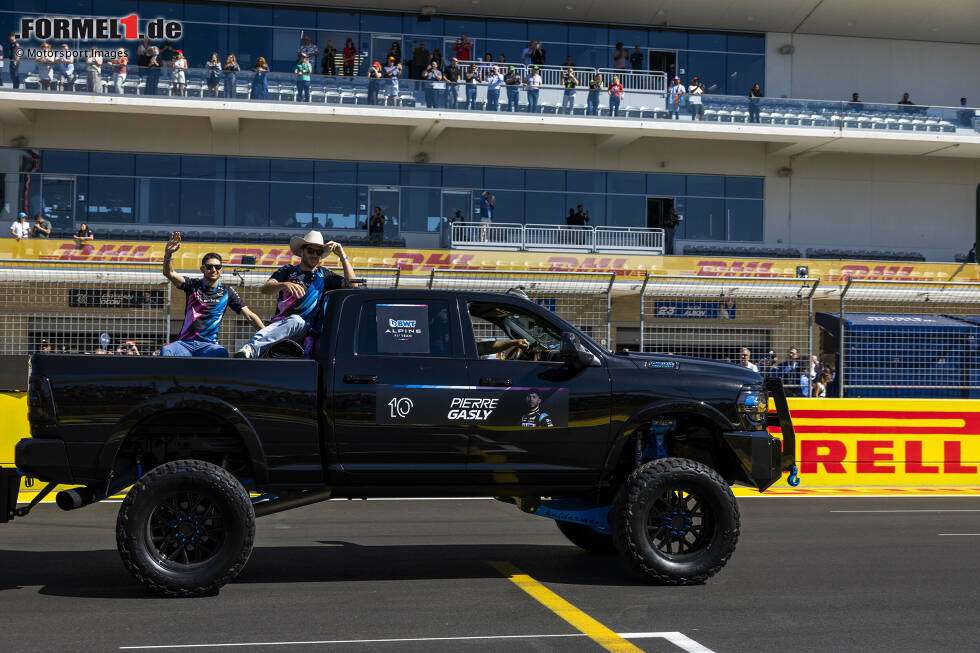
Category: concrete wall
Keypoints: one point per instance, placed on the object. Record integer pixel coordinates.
(833, 67)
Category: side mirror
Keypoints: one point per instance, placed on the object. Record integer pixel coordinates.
(573, 352)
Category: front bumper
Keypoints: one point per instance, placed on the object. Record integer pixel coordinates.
(764, 458)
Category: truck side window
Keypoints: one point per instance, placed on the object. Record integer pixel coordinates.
(509, 333)
(388, 329)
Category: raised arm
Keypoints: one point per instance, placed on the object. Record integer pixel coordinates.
(336, 248)
(168, 265)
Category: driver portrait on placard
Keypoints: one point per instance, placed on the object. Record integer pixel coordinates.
(535, 417)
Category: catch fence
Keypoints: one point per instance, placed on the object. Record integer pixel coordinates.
(717, 317)
(582, 298)
(906, 339)
(87, 308)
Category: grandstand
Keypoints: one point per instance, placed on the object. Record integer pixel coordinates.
(805, 181)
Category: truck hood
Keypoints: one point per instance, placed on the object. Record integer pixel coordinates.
(691, 365)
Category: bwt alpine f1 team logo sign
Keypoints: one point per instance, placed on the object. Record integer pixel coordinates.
(97, 28)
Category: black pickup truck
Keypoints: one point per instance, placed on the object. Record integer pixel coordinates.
(627, 452)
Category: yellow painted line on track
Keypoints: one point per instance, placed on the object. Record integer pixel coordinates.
(592, 629)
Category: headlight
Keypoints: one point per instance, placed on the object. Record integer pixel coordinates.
(753, 405)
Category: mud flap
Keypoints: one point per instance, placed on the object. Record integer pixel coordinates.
(9, 491)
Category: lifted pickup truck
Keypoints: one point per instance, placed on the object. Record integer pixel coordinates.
(634, 453)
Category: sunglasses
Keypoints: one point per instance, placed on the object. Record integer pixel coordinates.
(317, 252)
(212, 266)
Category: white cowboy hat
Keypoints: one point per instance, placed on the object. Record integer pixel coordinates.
(296, 243)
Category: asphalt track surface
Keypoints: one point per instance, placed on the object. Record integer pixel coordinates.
(416, 575)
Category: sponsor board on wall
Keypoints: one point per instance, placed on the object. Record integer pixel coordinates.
(420, 262)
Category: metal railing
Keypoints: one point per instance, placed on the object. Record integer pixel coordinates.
(636, 81)
(547, 237)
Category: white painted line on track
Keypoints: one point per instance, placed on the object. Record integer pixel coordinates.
(922, 510)
(680, 640)
(959, 535)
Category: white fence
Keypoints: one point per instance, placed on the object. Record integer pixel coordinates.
(546, 237)
(552, 75)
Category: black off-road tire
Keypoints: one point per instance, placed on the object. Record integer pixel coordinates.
(587, 538)
(186, 528)
(675, 503)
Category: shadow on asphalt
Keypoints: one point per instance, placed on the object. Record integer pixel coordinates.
(100, 573)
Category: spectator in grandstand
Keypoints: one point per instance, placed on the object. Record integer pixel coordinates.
(119, 65)
(230, 70)
(487, 65)
(906, 103)
(533, 85)
(395, 51)
(350, 57)
(755, 99)
(745, 359)
(65, 68)
(153, 72)
(310, 49)
(726, 310)
(463, 47)
(302, 71)
(93, 74)
(83, 234)
(452, 75)
(494, 82)
(471, 78)
(45, 66)
(437, 58)
(674, 95)
(789, 371)
(570, 218)
(489, 205)
(213, 68)
(695, 105)
(41, 228)
(20, 229)
(539, 55)
(143, 54)
(964, 115)
(619, 57)
(569, 81)
(391, 73)
(374, 82)
(670, 225)
(596, 85)
(636, 59)
(330, 59)
(512, 80)
(15, 53)
(971, 256)
(167, 54)
(767, 363)
(855, 104)
(207, 300)
(615, 96)
(568, 62)
(128, 348)
(421, 57)
(816, 368)
(376, 227)
(180, 73)
(526, 53)
(300, 288)
(502, 61)
(260, 80)
(432, 77)
(819, 386)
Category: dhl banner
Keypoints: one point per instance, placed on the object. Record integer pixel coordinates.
(423, 261)
(910, 444)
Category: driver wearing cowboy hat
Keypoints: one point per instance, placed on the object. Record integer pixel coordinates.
(300, 288)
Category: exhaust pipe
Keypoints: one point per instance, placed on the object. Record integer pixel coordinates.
(75, 498)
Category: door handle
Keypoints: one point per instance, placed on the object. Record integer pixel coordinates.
(360, 378)
(496, 380)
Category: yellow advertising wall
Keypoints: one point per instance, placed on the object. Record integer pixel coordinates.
(914, 444)
(421, 262)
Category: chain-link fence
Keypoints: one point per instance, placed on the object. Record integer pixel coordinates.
(82, 308)
(582, 298)
(721, 318)
(86, 308)
(906, 339)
